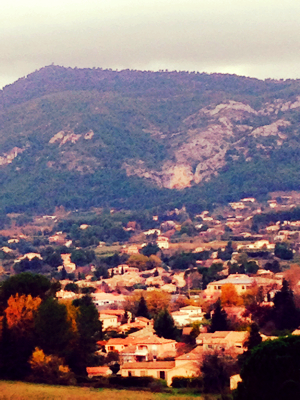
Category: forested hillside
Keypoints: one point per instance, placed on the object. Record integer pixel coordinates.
(135, 139)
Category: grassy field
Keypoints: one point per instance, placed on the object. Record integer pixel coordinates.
(26, 391)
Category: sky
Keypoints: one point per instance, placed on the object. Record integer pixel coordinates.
(257, 38)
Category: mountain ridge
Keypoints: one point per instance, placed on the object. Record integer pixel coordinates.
(85, 137)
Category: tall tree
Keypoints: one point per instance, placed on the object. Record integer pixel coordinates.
(286, 315)
(142, 310)
(254, 338)
(271, 372)
(219, 318)
(164, 325)
(53, 328)
(89, 332)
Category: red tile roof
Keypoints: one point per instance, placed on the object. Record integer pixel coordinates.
(149, 365)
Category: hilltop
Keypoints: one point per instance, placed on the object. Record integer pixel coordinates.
(134, 139)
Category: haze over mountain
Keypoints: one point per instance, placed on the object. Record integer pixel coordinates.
(93, 137)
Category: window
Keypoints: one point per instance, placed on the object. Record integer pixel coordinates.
(143, 373)
(130, 373)
(219, 287)
(243, 287)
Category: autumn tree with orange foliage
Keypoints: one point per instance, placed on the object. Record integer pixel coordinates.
(20, 312)
(157, 301)
(49, 369)
(229, 296)
(292, 275)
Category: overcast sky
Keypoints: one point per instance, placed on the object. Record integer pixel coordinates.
(258, 38)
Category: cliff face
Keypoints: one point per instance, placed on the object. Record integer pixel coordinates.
(198, 153)
(104, 129)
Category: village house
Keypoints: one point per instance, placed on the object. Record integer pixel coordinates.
(187, 365)
(187, 315)
(223, 341)
(132, 249)
(107, 299)
(142, 347)
(162, 242)
(117, 313)
(108, 321)
(241, 282)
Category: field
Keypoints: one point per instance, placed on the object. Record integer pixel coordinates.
(25, 391)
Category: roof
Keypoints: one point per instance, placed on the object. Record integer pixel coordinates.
(235, 279)
(143, 319)
(187, 330)
(195, 354)
(114, 312)
(186, 308)
(221, 336)
(190, 365)
(129, 349)
(97, 370)
(105, 316)
(153, 339)
(149, 365)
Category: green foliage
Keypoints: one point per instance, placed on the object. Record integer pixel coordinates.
(286, 315)
(72, 287)
(82, 257)
(216, 370)
(52, 328)
(271, 372)
(24, 283)
(164, 325)
(28, 265)
(124, 109)
(210, 274)
(283, 251)
(179, 382)
(182, 261)
(219, 319)
(89, 332)
(142, 309)
(149, 249)
(131, 381)
(273, 266)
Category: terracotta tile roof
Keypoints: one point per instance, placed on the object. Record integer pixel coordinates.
(143, 319)
(149, 365)
(153, 339)
(195, 354)
(98, 370)
(128, 349)
(187, 330)
(191, 365)
(113, 312)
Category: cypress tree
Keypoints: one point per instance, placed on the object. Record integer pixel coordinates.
(219, 318)
(142, 310)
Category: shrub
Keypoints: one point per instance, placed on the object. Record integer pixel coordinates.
(158, 385)
(180, 382)
(131, 381)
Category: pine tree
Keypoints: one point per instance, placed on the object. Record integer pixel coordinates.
(164, 325)
(219, 318)
(142, 310)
